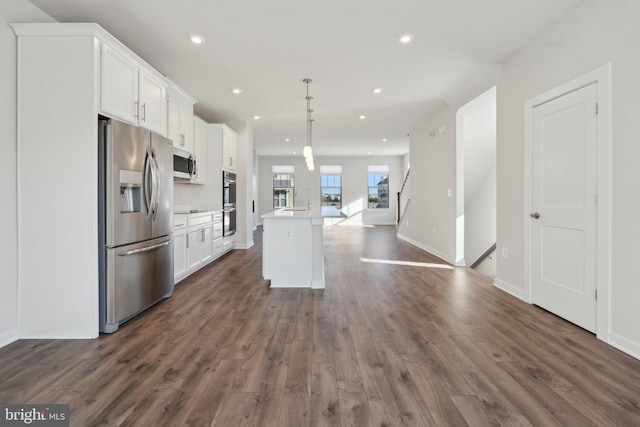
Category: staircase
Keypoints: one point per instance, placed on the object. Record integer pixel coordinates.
(404, 195)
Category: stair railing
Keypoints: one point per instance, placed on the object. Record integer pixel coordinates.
(483, 256)
(403, 196)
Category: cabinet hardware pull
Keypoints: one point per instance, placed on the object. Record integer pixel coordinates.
(144, 111)
(136, 112)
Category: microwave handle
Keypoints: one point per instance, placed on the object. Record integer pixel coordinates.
(193, 166)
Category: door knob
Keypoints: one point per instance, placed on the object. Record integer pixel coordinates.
(534, 215)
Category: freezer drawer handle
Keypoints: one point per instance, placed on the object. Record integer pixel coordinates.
(147, 249)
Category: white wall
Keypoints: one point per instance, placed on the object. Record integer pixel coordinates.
(431, 213)
(10, 11)
(244, 233)
(480, 220)
(596, 33)
(354, 185)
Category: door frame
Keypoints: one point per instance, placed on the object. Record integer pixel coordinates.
(602, 78)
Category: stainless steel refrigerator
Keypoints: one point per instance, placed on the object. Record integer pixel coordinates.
(135, 205)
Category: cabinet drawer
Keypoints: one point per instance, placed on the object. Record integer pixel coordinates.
(179, 222)
(217, 230)
(217, 216)
(217, 245)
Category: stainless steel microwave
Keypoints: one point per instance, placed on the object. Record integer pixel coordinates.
(184, 165)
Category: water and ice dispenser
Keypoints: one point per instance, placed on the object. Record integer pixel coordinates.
(130, 191)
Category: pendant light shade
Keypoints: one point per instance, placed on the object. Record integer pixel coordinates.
(307, 152)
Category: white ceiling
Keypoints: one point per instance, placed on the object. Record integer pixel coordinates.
(347, 47)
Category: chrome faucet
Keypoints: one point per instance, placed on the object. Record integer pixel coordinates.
(308, 196)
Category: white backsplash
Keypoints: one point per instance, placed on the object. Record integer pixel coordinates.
(193, 196)
(181, 197)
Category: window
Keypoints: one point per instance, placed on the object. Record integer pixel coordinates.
(378, 183)
(331, 185)
(283, 183)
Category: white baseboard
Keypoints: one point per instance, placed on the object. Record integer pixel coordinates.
(625, 345)
(8, 337)
(432, 251)
(245, 246)
(510, 289)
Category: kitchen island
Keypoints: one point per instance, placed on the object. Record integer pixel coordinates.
(292, 247)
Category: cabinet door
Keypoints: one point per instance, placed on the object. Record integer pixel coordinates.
(180, 257)
(200, 150)
(153, 103)
(173, 122)
(186, 127)
(118, 86)
(195, 248)
(207, 243)
(228, 149)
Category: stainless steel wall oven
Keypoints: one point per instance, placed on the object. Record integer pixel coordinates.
(229, 202)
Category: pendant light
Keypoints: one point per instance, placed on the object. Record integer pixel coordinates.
(307, 152)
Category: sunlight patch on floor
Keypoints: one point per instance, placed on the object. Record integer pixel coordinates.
(408, 263)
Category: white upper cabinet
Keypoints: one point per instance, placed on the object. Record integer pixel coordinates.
(200, 149)
(153, 103)
(180, 119)
(119, 86)
(229, 150)
(224, 138)
(131, 94)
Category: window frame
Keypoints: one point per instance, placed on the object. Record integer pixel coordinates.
(288, 173)
(331, 171)
(384, 172)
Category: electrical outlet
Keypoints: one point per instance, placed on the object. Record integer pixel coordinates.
(505, 252)
(434, 230)
(407, 223)
(288, 234)
(449, 193)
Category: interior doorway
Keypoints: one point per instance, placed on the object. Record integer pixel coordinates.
(476, 183)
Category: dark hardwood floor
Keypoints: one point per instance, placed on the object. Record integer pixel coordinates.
(384, 345)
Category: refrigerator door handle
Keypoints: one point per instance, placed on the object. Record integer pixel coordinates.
(158, 185)
(155, 176)
(141, 250)
(148, 184)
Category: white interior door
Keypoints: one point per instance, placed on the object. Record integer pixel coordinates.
(564, 202)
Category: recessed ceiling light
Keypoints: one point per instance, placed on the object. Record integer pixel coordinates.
(406, 38)
(368, 152)
(236, 91)
(294, 153)
(256, 117)
(196, 39)
(363, 117)
(287, 140)
(377, 90)
(384, 139)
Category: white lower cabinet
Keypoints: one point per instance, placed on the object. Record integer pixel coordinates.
(180, 253)
(197, 242)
